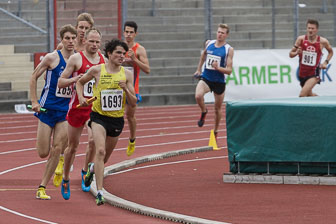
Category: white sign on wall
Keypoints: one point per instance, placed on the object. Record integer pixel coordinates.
(264, 74)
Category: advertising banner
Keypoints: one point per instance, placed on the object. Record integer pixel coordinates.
(271, 73)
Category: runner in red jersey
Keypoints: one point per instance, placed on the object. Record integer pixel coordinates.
(309, 49)
(136, 60)
(78, 64)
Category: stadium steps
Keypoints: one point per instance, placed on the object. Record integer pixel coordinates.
(25, 38)
(15, 72)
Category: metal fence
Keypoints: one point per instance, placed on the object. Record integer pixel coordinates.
(281, 21)
(35, 17)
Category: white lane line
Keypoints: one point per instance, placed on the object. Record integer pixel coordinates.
(14, 151)
(139, 130)
(119, 149)
(26, 216)
(18, 127)
(21, 167)
(167, 163)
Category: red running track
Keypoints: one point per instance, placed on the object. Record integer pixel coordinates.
(192, 187)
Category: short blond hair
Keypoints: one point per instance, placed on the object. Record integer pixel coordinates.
(93, 29)
(85, 17)
(224, 26)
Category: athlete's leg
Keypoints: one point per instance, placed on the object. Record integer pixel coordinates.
(99, 136)
(111, 143)
(201, 89)
(44, 132)
(307, 89)
(218, 109)
(70, 152)
(130, 114)
(59, 142)
(90, 148)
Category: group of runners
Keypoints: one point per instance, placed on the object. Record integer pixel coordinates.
(77, 73)
(84, 88)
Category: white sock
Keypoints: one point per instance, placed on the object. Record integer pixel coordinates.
(100, 192)
(91, 168)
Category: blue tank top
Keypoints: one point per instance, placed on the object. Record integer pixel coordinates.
(52, 97)
(215, 54)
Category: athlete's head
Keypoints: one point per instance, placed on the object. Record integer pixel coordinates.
(68, 36)
(85, 17)
(313, 22)
(222, 31)
(131, 24)
(130, 31)
(84, 22)
(312, 27)
(67, 28)
(115, 50)
(92, 40)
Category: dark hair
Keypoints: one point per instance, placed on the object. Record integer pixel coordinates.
(111, 45)
(67, 28)
(131, 24)
(313, 21)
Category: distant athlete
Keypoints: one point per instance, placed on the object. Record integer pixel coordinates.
(309, 49)
(217, 59)
(136, 60)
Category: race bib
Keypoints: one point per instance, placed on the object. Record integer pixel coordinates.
(129, 68)
(88, 88)
(111, 99)
(210, 59)
(64, 92)
(309, 58)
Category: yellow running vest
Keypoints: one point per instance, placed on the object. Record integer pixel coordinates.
(110, 97)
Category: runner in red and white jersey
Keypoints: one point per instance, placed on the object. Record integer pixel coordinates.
(309, 49)
(78, 64)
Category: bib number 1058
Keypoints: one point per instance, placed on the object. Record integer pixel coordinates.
(111, 100)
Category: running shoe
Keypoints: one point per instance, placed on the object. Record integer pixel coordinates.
(57, 180)
(65, 189)
(41, 194)
(89, 176)
(100, 199)
(59, 168)
(202, 118)
(130, 148)
(84, 188)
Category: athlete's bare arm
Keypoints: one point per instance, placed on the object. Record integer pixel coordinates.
(141, 60)
(200, 63)
(50, 61)
(228, 69)
(296, 49)
(73, 64)
(325, 44)
(128, 87)
(93, 72)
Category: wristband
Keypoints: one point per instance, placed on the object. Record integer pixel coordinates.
(327, 61)
(296, 47)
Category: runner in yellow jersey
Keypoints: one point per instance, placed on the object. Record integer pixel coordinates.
(113, 85)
